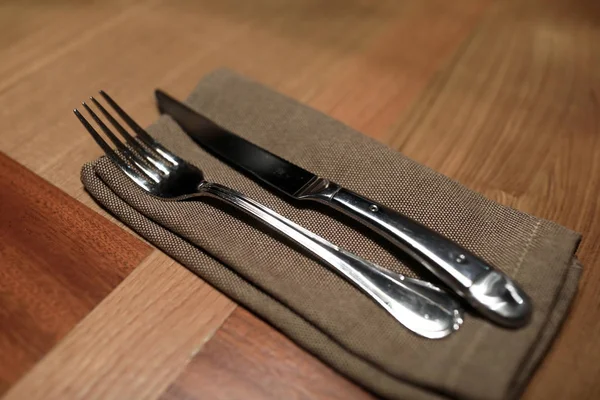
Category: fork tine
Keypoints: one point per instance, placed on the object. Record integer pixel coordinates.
(134, 125)
(131, 156)
(141, 132)
(120, 146)
(134, 144)
(112, 155)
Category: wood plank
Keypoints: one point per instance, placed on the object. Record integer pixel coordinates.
(135, 343)
(58, 259)
(370, 48)
(248, 359)
(516, 118)
(512, 117)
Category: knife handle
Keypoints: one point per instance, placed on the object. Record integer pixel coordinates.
(491, 292)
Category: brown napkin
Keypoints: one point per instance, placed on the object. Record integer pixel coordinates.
(311, 304)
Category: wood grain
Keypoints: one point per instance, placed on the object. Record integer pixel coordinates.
(58, 259)
(135, 343)
(363, 64)
(516, 118)
(247, 359)
(499, 95)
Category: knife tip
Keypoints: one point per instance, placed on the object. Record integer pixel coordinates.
(160, 97)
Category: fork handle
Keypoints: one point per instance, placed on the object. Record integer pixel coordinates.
(419, 306)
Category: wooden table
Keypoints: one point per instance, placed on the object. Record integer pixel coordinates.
(502, 96)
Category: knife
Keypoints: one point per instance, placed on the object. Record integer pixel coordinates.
(489, 291)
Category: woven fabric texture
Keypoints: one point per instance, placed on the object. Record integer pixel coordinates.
(310, 303)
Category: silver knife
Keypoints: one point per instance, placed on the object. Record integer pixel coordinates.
(491, 292)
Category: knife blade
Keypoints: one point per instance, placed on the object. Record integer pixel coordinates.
(491, 292)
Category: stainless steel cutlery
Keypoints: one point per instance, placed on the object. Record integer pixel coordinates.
(491, 292)
(419, 306)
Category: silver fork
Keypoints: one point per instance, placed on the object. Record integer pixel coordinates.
(418, 305)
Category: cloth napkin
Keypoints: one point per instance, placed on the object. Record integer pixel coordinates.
(307, 301)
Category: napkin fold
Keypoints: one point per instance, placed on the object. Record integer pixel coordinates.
(310, 303)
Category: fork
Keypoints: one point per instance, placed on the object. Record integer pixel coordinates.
(418, 305)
